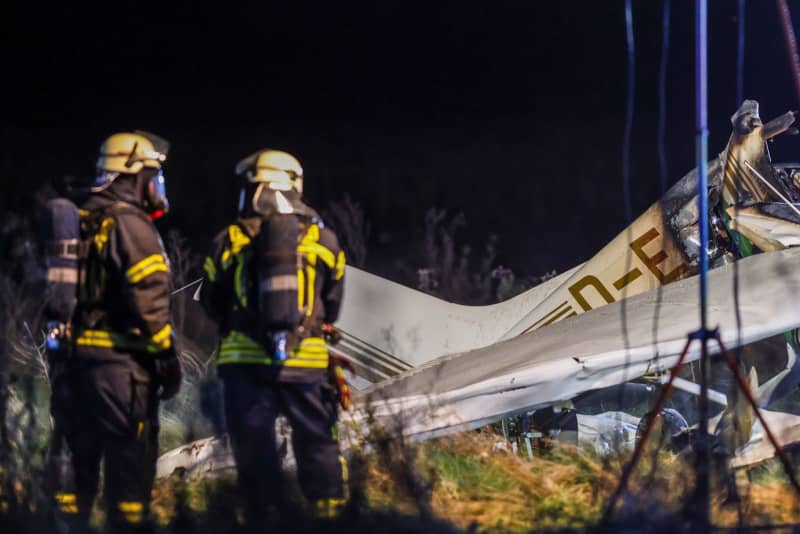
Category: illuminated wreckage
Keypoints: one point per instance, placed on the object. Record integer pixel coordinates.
(576, 354)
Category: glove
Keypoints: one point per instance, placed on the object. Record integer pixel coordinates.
(331, 335)
(341, 385)
(338, 365)
(168, 374)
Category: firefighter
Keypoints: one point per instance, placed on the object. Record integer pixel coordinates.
(122, 360)
(274, 285)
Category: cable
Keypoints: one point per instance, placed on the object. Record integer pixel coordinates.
(662, 97)
(626, 180)
(740, 53)
(626, 143)
(660, 137)
(735, 236)
(663, 181)
(791, 42)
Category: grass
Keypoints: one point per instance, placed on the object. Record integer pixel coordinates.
(463, 482)
(473, 487)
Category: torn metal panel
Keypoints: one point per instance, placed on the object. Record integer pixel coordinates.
(770, 227)
(785, 427)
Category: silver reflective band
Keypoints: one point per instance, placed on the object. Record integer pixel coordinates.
(284, 282)
(64, 275)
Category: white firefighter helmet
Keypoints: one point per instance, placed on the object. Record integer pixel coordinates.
(278, 169)
(128, 153)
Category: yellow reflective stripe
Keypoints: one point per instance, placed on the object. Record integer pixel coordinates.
(144, 268)
(305, 364)
(309, 245)
(244, 360)
(130, 506)
(160, 268)
(311, 274)
(101, 238)
(210, 268)
(312, 353)
(67, 503)
(312, 234)
(340, 262)
(238, 239)
(68, 508)
(143, 264)
(238, 347)
(301, 289)
(66, 498)
(328, 508)
(95, 338)
(322, 251)
(163, 338)
(241, 294)
(106, 339)
(132, 511)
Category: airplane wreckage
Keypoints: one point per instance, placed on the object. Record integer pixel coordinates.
(582, 350)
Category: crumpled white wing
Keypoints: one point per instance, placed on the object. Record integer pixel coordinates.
(588, 351)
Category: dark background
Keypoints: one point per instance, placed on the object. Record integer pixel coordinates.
(510, 112)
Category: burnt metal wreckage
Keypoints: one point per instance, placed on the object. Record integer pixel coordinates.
(428, 367)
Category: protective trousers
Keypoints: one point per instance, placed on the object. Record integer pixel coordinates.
(252, 404)
(105, 410)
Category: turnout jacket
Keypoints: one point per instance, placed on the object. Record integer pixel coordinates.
(124, 282)
(229, 295)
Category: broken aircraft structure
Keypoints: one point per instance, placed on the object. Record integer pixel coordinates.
(442, 367)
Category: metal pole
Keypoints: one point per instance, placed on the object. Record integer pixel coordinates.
(791, 43)
(702, 490)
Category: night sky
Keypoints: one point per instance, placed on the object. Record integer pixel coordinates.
(510, 112)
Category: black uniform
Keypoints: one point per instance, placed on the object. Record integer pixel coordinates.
(105, 401)
(259, 387)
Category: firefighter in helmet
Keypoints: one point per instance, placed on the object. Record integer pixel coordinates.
(274, 284)
(122, 359)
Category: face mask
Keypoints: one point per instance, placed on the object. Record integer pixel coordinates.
(156, 201)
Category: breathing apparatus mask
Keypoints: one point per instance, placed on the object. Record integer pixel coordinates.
(155, 201)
